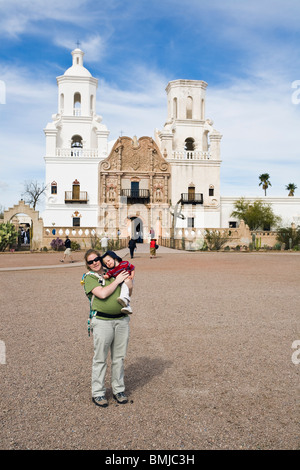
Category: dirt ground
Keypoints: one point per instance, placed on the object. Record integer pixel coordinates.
(209, 364)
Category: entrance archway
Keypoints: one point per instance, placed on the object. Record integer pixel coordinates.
(137, 229)
(36, 222)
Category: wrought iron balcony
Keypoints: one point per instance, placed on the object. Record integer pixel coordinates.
(187, 198)
(136, 195)
(81, 197)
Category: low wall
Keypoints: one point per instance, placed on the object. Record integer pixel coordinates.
(185, 239)
(86, 237)
(242, 236)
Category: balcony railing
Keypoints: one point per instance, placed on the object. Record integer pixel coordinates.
(81, 198)
(187, 198)
(76, 152)
(191, 155)
(136, 195)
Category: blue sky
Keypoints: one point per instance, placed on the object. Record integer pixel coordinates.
(247, 51)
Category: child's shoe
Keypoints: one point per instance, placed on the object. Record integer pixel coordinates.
(123, 301)
(127, 310)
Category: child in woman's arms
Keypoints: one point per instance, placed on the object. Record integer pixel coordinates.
(115, 265)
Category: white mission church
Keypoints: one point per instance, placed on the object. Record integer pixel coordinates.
(133, 185)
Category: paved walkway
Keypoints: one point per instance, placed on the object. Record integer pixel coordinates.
(123, 253)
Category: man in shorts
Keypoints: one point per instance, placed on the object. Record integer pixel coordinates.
(68, 251)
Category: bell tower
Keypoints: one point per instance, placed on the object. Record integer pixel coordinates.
(76, 142)
(192, 146)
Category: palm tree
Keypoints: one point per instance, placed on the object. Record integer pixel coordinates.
(264, 181)
(291, 187)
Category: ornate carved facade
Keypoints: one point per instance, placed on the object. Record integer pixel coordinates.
(134, 184)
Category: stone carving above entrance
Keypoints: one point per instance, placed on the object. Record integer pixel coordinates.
(132, 155)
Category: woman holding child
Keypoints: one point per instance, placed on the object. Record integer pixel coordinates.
(110, 326)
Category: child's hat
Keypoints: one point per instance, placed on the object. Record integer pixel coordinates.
(112, 254)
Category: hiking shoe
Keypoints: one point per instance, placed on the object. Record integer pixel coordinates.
(127, 310)
(100, 401)
(121, 398)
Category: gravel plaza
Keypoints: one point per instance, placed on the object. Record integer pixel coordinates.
(212, 360)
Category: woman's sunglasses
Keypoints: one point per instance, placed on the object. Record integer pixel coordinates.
(94, 260)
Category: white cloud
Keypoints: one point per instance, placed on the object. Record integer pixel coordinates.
(252, 108)
(260, 125)
(17, 16)
(94, 46)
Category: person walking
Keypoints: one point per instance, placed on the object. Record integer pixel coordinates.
(68, 251)
(110, 327)
(153, 247)
(132, 247)
(104, 243)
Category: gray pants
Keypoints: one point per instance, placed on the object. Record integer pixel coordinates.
(113, 336)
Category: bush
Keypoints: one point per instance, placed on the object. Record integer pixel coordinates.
(57, 244)
(289, 236)
(215, 239)
(277, 246)
(8, 235)
(75, 246)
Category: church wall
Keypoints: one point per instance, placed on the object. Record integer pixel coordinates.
(166, 170)
(288, 208)
(64, 174)
(201, 176)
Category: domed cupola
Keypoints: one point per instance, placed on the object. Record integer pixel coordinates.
(77, 69)
(77, 89)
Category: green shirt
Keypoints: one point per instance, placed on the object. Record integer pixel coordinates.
(110, 305)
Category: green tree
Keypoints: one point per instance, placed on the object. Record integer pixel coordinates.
(8, 235)
(265, 181)
(291, 187)
(285, 234)
(257, 215)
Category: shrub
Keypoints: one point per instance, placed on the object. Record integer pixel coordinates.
(215, 239)
(57, 244)
(277, 246)
(8, 235)
(289, 236)
(75, 246)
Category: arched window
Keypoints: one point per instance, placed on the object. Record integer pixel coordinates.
(189, 148)
(211, 190)
(76, 145)
(189, 144)
(77, 104)
(191, 192)
(76, 141)
(189, 107)
(53, 187)
(75, 190)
